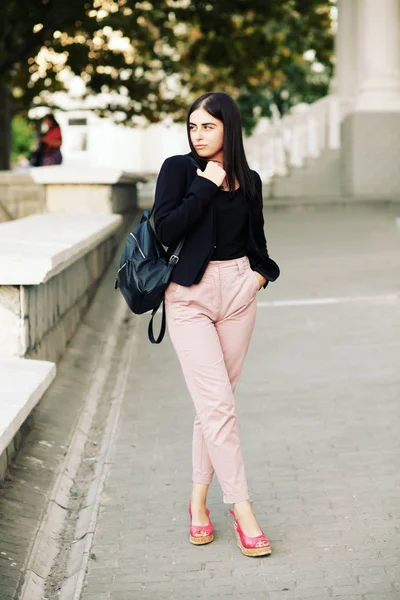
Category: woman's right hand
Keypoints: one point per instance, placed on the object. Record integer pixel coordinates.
(213, 172)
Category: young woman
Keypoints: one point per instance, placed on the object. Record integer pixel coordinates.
(211, 300)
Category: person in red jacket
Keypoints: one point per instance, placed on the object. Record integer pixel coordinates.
(48, 151)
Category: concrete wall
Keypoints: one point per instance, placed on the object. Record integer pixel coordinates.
(370, 155)
(93, 198)
(50, 268)
(88, 189)
(39, 321)
(58, 274)
(20, 195)
(68, 190)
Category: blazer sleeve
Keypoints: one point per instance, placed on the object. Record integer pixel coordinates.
(265, 265)
(259, 230)
(177, 206)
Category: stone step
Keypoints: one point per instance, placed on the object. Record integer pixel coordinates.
(22, 384)
(319, 177)
(36, 248)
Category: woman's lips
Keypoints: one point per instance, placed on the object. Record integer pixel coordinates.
(200, 145)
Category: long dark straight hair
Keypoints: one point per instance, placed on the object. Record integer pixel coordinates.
(222, 107)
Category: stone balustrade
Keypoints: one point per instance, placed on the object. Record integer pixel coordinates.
(281, 144)
(50, 267)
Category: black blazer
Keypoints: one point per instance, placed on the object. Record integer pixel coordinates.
(184, 208)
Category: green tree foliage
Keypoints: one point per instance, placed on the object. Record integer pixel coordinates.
(303, 82)
(154, 57)
(23, 137)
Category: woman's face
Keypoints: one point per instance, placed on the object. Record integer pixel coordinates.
(45, 126)
(206, 133)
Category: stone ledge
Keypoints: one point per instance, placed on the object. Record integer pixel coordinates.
(22, 383)
(36, 248)
(18, 177)
(89, 174)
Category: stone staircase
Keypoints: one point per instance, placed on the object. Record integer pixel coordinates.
(317, 177)
(298, 155)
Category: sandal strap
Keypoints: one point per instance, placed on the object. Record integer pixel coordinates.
(247, 541)
(208, 529)
(200, 528)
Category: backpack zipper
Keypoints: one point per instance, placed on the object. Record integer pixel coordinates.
(138, 245)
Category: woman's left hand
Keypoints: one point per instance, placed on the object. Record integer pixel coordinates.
(262, 280)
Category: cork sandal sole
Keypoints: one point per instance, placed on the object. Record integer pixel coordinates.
(200, 540)
(263, 551)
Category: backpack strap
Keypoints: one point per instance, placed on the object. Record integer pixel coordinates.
(173, 259)
(150, 330)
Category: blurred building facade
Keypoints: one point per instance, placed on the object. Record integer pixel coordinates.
(89, 139)
(368, 86)
(344, 144)
(347, 143)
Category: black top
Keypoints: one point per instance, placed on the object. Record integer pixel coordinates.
(187, 206)
(231, 225)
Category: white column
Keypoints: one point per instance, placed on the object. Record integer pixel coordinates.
(378, 55)
(346, 49)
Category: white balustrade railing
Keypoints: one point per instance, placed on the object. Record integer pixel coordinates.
(279, 144)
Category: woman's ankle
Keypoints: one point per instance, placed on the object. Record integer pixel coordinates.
(199, 496)
(243, 508)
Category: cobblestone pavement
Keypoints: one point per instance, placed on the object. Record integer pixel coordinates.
(318, 407)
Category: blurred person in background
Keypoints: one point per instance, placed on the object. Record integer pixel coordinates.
(49, 143)
(211, 299)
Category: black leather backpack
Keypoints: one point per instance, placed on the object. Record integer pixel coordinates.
(145, 271)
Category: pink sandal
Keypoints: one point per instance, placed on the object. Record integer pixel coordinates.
(199, 540)
(250, 546)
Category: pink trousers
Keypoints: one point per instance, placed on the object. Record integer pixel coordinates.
(210, 325)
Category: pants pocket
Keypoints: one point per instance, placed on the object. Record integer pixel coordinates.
(255, 280)
(173, 291)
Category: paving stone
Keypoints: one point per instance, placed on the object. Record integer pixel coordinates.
(382, 596)
(314, 441)
(126, 595)
(351, 597)
(318, 409)
(307, 593)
